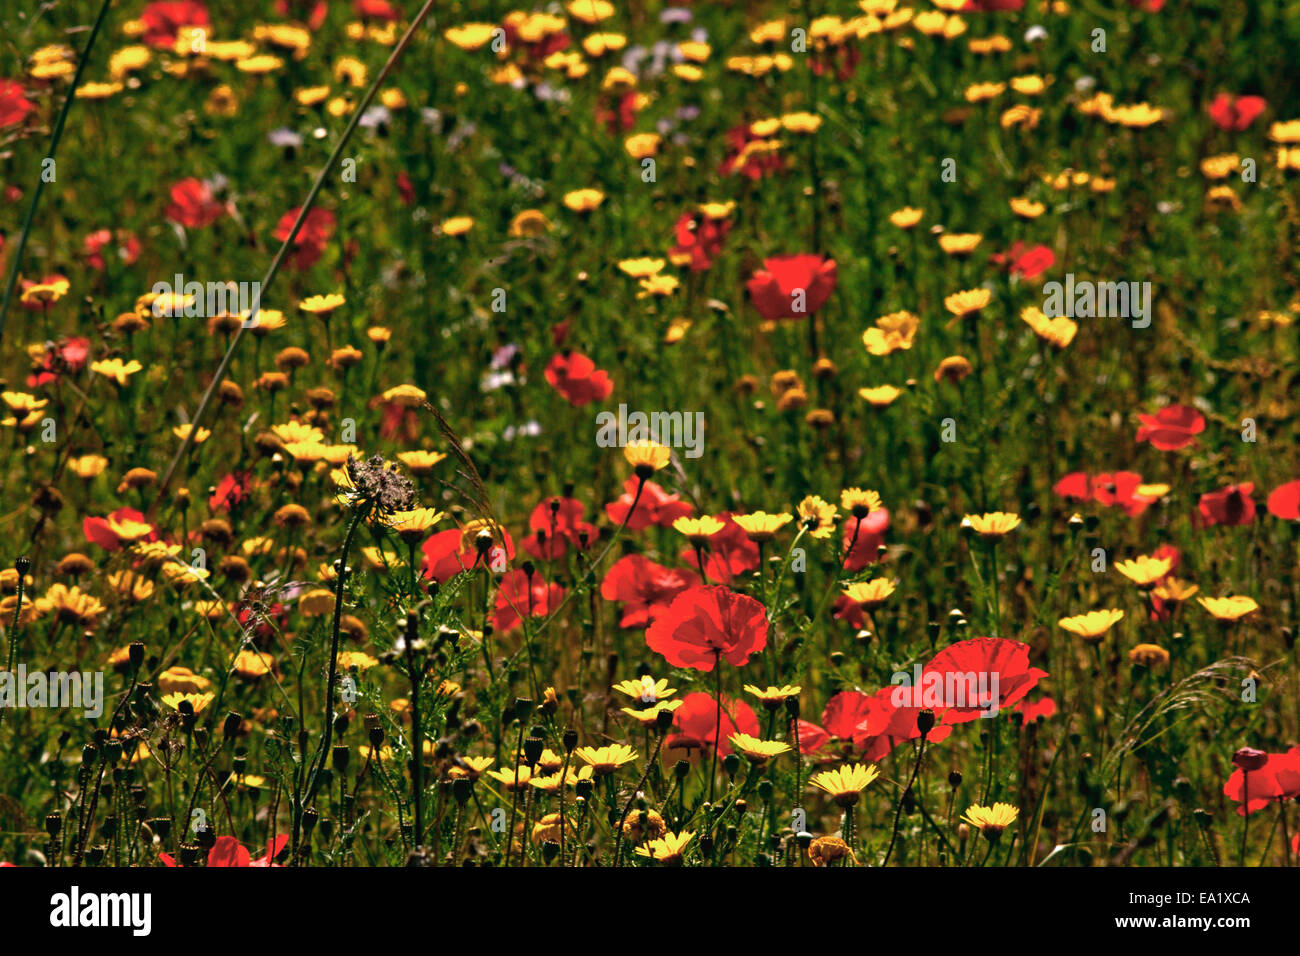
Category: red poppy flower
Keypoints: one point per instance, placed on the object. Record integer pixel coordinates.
(1024, 260)
(162, 21)
(521, 596)
(1120, 490)
(69, 355)
(397, 422)
(309, 245)
(706, 624)
(854, 716)
(622, 117)
(1232, 505)
(850, 612)
(263, 624)
(73, 353)
(750, 164)
(1167, 550)
(230, 491)
(497, 555)
(1112, 489)
(127, 247)
(1284, 501)
(697, 719)
(1236, 112)
(100, 530)
(863, 538)
(14, 104)
(576, 377)
(730, 552)
(1278, 778)
(228, 852)
(1171, 428)
(644, 588)
(442, 555)
(556, 523)
(792, 287)
(655, 507)
(902, 726)
(377, 10)
(812, 738)
(699, 237)
(983, 657)
(193, 204)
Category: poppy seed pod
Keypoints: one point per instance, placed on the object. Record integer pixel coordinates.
(664, 721)
(925, 721)
(1249, 759)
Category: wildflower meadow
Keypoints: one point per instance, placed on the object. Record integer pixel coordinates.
(601, 434)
